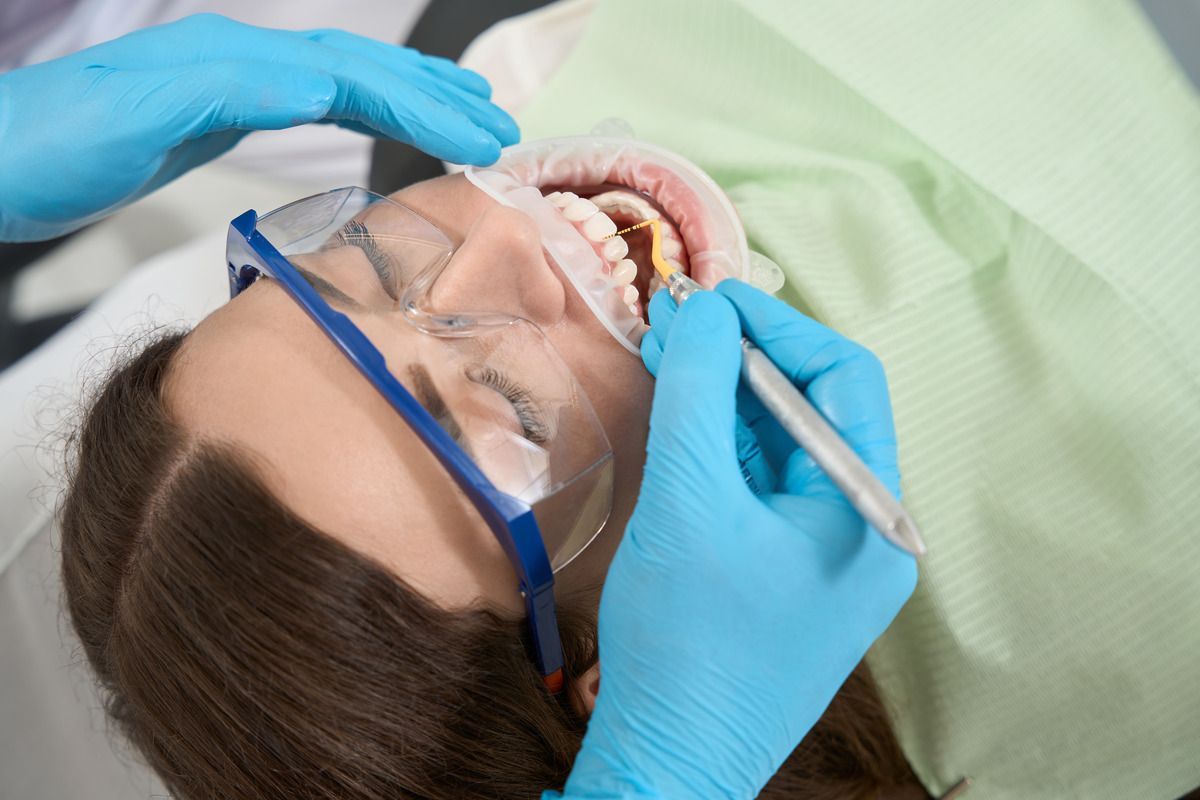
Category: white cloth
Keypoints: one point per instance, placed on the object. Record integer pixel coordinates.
(518, 55)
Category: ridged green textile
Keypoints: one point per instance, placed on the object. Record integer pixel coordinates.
(1003, 201)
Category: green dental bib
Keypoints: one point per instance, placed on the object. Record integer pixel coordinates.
(1002, 200)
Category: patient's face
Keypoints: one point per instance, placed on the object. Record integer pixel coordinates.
(258, 373)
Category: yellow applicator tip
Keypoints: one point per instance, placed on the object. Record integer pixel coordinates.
(656, 256)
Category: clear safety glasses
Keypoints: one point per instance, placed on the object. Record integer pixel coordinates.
(484, 391)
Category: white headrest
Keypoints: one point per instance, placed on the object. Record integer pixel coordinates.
(178, 287)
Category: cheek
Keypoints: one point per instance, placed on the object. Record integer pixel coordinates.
(383, 494)
(621, 391)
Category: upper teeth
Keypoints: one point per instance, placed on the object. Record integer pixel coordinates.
(624, 271)
(579, 209)
(599, 227)
(671, 247)
(560, 199)
(590, 216)
(616, 248)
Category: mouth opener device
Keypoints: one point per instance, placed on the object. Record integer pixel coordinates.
(803, 422)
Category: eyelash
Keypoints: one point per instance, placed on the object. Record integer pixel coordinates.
(355, 234)
(532, 425)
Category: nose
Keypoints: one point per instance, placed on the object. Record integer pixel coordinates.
(501, 267)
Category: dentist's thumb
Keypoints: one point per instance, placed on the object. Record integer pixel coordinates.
(692, 447)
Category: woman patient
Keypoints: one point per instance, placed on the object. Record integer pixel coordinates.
(285, 595)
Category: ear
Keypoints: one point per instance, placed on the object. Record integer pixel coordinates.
(584, 690)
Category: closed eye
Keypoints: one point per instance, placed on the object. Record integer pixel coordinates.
(529, 414)
(356, 234)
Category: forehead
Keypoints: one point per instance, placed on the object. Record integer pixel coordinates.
(258, 374)
(450, 202)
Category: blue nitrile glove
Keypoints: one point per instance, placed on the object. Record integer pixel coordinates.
(86, 134)
(729, 620)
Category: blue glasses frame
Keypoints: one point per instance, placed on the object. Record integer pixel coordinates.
(510, 519)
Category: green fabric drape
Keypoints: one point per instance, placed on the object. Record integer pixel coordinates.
(1003, 201)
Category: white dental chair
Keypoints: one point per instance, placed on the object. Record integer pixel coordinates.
(53, 737)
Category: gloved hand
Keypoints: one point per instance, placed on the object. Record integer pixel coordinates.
(85, 134)
(729, 619)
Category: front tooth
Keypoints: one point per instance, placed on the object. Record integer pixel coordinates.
(671, 247)
(553, 197)
(633, 309)
(564, 199)
(579, 209)
(624, 271)
(674, 265)
(629, 295)
(615, 249)
(599, 226)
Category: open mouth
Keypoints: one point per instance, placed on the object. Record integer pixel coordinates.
(582, 190)
(600, 211)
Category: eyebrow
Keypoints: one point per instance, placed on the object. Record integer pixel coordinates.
(327, 290)
(424, 389)
(427, 395)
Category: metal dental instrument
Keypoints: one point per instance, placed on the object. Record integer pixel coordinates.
(803, 422)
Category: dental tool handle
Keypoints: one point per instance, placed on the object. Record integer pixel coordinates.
(829, 450)
(812, 431)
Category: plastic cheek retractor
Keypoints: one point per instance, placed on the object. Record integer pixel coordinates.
(709, 225)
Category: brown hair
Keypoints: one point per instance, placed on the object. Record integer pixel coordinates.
(248, 655)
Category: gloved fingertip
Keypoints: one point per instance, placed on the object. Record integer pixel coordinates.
(739, 292)
(474, 83)
(466, 79)
(496, 121)
(706, 314)
(506, 130)
(483, 150)
(320, 90)
(651, 348)
(662, 312)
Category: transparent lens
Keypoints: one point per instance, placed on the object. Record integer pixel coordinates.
(571, 517)
(517, 410)
(492, 381)
(367, 246)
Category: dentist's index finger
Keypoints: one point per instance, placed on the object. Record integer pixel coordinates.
(844, 380)
(463, 90)
(402, 95)
(201, 38)
(396, 55)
